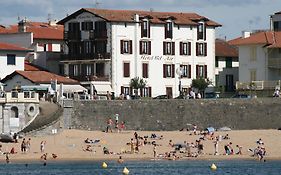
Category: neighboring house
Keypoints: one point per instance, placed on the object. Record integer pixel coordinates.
(260, 57)
(107, 48)
(46, 39)
(226, 65)
(40, 81)
(11, 58)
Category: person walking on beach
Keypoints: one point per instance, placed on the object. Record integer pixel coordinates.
(109, 125)
(42, 146)
(23, 146)
(28, 144)
(117, 122)
(216, 144)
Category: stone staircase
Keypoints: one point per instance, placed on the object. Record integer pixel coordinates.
(50, 114)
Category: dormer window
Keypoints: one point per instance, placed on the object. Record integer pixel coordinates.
(145, 29)
(201, 31)
(169, 30)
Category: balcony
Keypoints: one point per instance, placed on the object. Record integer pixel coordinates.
(98, 34)
(258, 85)
(91, 78)
(92, 57)
(274, 63)
(72, 35)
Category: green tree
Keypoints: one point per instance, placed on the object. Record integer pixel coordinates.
(137, 83)
(200, 83)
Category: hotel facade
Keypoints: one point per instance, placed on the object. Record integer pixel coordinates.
(105, 49)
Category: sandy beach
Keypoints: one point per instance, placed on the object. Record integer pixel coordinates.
(70, 145)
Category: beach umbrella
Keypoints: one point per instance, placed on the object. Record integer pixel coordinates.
(210, 129)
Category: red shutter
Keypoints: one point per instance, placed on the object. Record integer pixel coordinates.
(166, 31)
(205, 71)
(142, 29)
(173, 48)
(173, 71)
(122, 89)
(164, 71)
(50, 47)
(197, 47)
(189, 71)
(121, 46)
(145, 70)
(205, 49)
(181, 48)
(189, 48)
(149, 91)
(205, 32)
(164, 48)
(197, 71)
(131, 90)
(198, 32)
(131, 46)
(148, 29)
(141, 47)
(141, 92)
(181, 69)
(126, 70)
(149, 47)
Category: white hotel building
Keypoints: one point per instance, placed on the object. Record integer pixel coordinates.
(107, 48)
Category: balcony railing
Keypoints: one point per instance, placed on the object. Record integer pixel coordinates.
(274, 63)
(72, 35)
(93, 56)
(258, 85)
(98, 34)
(91, 78)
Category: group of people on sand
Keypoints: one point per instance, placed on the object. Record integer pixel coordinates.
(260, 150)
(116, 125)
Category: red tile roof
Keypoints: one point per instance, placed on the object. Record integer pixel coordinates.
(41, 77)
(30, 67)
(223, 49)
(12, 47)
(155, 17)
(269, 38)
(40, 30)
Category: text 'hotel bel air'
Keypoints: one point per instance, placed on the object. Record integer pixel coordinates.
(107, 48)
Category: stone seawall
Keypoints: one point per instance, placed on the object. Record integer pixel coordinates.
(260, 113)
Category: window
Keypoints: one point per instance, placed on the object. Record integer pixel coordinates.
(88, 69)
(75, 69)
(14, 94)
(253, 53)
(168, 48)
(11, 59)
(201, 31)
(87, 47)
(216, 62)
(169, 30)
(228, 63)
(88, 25)
(201, 71)
(126, 46)
(145, 29)
(185, 48)
(253, 75)
(186, 71)
(145, 70)
(201, 49)
(145, 47)
(126, 90)
(25, 94)
(168, 70)
(145, 92)
(126, 69)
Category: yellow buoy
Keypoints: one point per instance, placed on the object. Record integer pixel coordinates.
(126, 171)
(213, 167)
(104, 165)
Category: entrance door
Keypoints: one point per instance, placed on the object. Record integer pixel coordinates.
(169, 92)
(229, 84)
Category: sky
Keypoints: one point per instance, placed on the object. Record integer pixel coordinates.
(235, 16)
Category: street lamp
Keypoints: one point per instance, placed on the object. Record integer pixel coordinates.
(179, 72)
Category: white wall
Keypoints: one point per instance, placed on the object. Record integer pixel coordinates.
(8, 69)
(20, 39)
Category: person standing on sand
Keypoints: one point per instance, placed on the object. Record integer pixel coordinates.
(23, 146)
(28, 144)
(154, 151)
(109, 125)
(42, 146)
(7, 158)
(132, 146)
(117, 122)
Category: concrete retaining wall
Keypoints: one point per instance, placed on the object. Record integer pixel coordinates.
(260, 113)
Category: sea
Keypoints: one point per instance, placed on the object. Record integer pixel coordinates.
(163, 167)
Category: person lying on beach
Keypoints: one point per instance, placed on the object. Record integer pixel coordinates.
(171, 144)
(13, 151)
(91, 141)
(106, 151)
(54, 156)
(44, 157)
(88, 148)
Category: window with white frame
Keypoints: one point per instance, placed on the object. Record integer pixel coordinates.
(169, 48)
(126, 47)
(145, 47)
(201, 49)
(186, 71)
(185, 48)
(75, 70)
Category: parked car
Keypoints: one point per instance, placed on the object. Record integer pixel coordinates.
(212, 95)
(161, 97)
(241, 96)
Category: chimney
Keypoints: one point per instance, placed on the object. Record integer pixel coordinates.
(136, 18)
(53, 22)
(246, 34)
(22, 26)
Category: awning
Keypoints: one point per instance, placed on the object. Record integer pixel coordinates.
(102, 88)
(72, 88)
(34, 88)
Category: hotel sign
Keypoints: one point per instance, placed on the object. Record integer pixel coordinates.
(157, 58)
